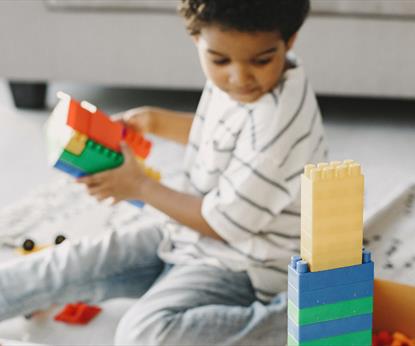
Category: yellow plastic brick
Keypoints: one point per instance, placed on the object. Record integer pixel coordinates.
(332, 215)
(77, 143)
(150, 172)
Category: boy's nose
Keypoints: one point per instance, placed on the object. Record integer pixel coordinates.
(240, 76)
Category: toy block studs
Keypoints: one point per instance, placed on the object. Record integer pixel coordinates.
(138, 143)
(78, 117)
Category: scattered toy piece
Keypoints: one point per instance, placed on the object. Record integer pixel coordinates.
(385, 338)
(59, 239)
(28, 245)
(79, 313)
(22, 251)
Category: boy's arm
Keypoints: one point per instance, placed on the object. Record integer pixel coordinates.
(129, 182)
(162, 122)
(184, 208)
(173, 125)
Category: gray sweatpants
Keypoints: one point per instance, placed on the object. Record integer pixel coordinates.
(177, 305)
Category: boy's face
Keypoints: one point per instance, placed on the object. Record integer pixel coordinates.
(244, 65)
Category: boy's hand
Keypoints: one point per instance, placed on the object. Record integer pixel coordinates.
(167, 124)
(122, 183)
(141, 119)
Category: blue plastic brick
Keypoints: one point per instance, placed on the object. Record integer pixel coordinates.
(329, 278)
(330, 295)
(330, 328)
(136, 203)
(69, 169)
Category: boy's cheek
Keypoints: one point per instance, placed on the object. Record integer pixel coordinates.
(211, 71)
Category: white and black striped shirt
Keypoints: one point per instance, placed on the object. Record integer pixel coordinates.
(246, 161)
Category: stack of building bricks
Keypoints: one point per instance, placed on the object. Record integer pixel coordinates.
(330, 287)
(87, 141)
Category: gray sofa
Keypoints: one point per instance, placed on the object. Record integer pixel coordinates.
(350, 48)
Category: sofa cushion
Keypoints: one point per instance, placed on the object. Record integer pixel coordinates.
(163, 5)
(405, 8)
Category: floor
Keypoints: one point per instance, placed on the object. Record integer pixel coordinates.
(377, 133)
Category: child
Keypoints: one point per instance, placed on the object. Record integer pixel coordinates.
(205, 277)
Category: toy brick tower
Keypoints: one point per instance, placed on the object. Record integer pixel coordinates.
(330, 287)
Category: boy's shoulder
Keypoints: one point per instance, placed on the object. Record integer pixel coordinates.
(285, 112)
(290, 94)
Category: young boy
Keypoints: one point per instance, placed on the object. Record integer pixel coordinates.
(205, 277)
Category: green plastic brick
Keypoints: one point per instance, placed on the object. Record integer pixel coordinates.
(94, 158)
(329, 312)
(363, 338)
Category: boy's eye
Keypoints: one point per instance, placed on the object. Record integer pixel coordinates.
(221, 61)
(262, 62)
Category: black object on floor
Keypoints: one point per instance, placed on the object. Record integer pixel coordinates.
(28, 94)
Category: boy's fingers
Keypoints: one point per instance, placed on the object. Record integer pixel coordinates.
(100, 194)
(94, 179)
(97, 190)
(128, 115)
(124, 117)
(127, 152)
(115, 201)
(84, 180)
(118, 116)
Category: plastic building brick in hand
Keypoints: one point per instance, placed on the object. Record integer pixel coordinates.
(83, 140)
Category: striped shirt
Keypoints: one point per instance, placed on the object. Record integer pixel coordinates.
(245, 160)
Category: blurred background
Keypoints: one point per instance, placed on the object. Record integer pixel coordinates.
(119, 54)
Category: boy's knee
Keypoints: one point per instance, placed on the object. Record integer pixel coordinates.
(145, 328)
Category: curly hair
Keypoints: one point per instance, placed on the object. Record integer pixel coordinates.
(283, 16)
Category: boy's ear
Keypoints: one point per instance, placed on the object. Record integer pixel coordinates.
(291, 41)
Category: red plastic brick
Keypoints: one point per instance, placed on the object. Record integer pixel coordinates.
(79, 313)
(138, 143)
(104, 131)
(101, 129)
(384, 338)
(78, 118)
